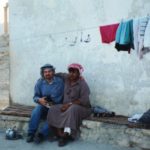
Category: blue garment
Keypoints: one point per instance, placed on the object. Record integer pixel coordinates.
(45, 130)
(99, 109)
(55, 90)
(38, 113)
(124, 34)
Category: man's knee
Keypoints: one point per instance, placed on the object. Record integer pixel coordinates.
(37, 110)
(74, 107)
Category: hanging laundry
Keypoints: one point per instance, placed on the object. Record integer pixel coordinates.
(135, 34)
(145, 50)
(108, 32)
(147, 35)
(124, 36)
(141, 32)
(139, 29)
(123, 47)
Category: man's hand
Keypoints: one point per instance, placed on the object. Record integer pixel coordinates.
(42, 101)
(65, 107)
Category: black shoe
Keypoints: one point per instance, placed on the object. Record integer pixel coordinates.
(62, 142)
(30, 138)
(70, 138)
(53, 138)
(39, 138)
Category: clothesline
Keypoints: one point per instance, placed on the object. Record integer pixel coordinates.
(56, 33)
(121, 32)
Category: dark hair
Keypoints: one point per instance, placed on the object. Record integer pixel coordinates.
(46, 66)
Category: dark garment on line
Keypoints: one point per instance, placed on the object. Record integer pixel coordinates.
(145, 50)
(124, 36)
(123, 47)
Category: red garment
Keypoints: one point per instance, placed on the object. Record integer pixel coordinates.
(108, 32)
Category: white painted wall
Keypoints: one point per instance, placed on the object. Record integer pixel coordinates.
(118, 81)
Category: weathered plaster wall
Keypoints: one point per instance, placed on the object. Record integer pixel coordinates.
(118, 81)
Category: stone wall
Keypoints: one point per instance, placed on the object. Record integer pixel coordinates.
(4, 71)
(115, 134)
(2, 5)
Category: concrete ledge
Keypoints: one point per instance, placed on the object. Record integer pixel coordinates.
(13, 121)
(21, 123)
(115, 134)
(96, 131)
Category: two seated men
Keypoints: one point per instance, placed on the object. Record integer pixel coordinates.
(70, 104)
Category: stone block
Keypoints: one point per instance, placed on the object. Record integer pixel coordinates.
(21, 123)
(115, 134)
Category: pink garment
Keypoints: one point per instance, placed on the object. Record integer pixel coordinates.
(76, 66)
(108, 32)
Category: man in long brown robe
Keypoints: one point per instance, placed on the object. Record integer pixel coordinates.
(67, 117)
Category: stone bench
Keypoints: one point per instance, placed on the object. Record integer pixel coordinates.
(109, 130)
(15, 116)
(117, 131)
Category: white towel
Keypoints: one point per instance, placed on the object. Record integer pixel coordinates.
(135, 118)
(141, 33)
(135, 34)
(147, 35)
(142, 26)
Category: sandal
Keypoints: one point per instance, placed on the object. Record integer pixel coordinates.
(62, 142)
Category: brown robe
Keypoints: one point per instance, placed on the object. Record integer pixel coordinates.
(74, 115)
